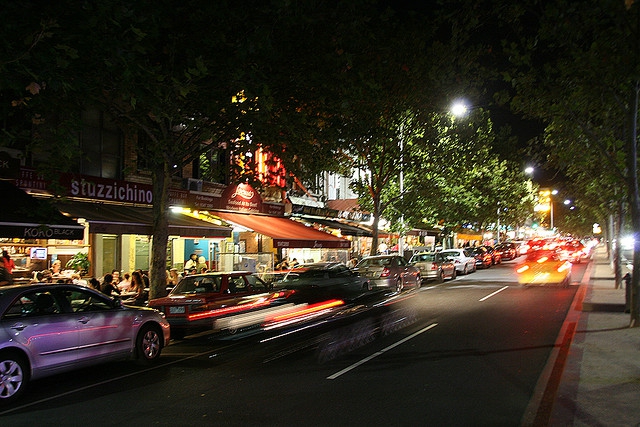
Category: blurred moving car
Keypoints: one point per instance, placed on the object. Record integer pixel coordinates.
(573, 251)
(47, 329)
(434, 266)
(198, 299)
(508, 250)
(483, 256)
(496, 256)
(322, 280)
(462, 259)
(544, 266)
(389, 271)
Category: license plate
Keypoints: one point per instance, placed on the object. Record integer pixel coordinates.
(176, 310)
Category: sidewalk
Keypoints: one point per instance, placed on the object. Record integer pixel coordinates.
(600, 382)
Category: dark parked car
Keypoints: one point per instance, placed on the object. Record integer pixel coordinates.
(508, 250)
(434, 266)
(482, 256)
(47, 329)
(389, 271)
(197, 300)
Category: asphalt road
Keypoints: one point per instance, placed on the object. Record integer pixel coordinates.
(465, 352)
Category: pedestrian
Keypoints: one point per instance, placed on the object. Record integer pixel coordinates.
(8, 262)
(5, 277)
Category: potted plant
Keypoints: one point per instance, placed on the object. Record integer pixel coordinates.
(80, 262)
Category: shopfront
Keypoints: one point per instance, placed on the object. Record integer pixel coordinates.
(34, 233)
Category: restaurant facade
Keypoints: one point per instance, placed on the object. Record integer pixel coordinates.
(227, 227)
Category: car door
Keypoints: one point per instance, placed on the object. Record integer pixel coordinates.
(408, 272)
(105, 329)
(38, 323)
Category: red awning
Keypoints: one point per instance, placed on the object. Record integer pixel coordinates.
(285, 232)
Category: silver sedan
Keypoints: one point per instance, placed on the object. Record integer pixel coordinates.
(389, 271)
(47, 329)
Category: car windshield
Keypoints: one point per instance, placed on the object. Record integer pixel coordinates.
(197, 285)
(424, 258)
(450, 254)
(375, 262)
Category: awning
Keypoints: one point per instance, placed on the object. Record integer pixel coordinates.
(345, 229)
(119, 219)
(26, 217)
(285, 233)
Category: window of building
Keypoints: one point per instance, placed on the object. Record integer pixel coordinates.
(101, 144)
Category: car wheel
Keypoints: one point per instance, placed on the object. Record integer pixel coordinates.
(418, 282)
(440, 277)
(399, 285)
(14, 376)
(454, 274)
(367, 286)
(149, 344)
(466, 269)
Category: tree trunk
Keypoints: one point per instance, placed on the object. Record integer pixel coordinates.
(158, 269)
(634, 202)
(617, 254)
(376, 225)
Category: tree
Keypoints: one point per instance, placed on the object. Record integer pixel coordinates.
(577, 68)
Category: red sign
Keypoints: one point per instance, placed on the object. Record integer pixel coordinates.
(242, 198)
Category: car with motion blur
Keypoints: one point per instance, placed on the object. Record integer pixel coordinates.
(573, 251)
(389, 271)
(463, 259)
(47, 329)
(434, 266)
(544, 266)
(198, 299)
(482, 256)
(318, 281)
(496, 256)
(508, 251)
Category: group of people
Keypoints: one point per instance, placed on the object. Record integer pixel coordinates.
(134, 286)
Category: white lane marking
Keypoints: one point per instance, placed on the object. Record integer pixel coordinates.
(493, 293)
(378, 353)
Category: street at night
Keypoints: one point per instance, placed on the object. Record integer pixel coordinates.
(466, 352)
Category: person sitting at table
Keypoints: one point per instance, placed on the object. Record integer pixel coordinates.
(116, 276)
(56, 267)
(125, 284)
(138, 286)
(108, 288)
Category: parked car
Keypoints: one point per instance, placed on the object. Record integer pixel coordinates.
(462, 259)
(47, 329)
(434, 266)
(321, 280)
(482, 256)
(496, 256)
(544, 266)
(198, 299)
(389, 271)
(508, 250)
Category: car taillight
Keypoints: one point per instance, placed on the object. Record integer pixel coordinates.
(522, 269)
(434, 266)
(385, 272)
